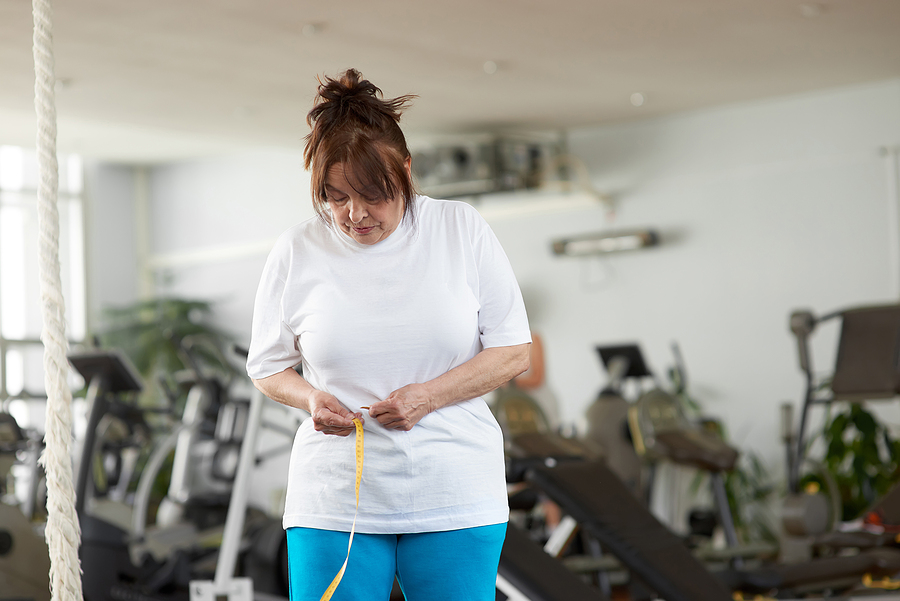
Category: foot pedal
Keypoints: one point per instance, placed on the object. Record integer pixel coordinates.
(236, 589)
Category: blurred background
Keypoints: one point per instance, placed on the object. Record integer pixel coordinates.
(758, 141)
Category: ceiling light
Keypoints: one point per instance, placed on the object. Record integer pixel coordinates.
(811, 11)
(490, 67)
(637, 99)
(605, 242)
(311, 29)
(243, 112)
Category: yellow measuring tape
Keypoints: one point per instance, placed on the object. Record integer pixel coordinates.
(359, 465)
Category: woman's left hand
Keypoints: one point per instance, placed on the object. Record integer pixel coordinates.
(403, 408)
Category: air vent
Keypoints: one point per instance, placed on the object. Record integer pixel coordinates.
(484, 167)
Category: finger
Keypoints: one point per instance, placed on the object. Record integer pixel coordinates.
(384, 405)
(343, 413)
(396, 423)
(330, 426)
(331, 430)
(385, 418)
(333, 418)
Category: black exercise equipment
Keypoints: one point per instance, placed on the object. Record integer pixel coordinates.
(631, 356)
(24, 558)
(659, 430)
(607, 416)
(518, 412)
(116, 563)
(867, 366)
(594, 496)
(108, 571)
(533, 574)
(886, 513)
(839, 573)
(106, 374)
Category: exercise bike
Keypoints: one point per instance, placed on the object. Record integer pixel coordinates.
(157, 564)
(866, 369)
(24, 558)
(657, 430)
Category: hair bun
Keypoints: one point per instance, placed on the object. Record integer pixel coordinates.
(349, 97)
(350, 86)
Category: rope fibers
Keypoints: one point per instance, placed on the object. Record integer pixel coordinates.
(63, 533)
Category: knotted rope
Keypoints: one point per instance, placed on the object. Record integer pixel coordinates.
(62, 532)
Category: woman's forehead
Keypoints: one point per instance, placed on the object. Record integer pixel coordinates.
(342, 175)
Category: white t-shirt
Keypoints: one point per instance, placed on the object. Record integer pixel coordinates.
(369, 319)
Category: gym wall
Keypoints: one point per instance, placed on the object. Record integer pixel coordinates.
(763, 207)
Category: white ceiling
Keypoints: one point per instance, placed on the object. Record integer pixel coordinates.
(146, 80)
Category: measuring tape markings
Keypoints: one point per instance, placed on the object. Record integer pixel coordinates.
(359, 466)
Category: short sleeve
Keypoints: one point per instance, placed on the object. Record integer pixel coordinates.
(502, 320)
(273, 347)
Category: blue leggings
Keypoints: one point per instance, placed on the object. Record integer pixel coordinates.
(456, 565)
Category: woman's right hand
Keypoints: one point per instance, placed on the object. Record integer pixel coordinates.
(329, 416)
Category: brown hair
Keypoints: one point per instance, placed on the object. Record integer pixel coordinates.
(353, 124)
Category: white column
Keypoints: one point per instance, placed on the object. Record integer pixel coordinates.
(146, 288)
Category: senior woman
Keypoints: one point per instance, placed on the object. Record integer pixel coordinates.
(404, 307)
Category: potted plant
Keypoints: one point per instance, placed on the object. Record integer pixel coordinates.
(152, 334)
(860, 454)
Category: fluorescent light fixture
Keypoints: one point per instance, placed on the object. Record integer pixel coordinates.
(605, 242)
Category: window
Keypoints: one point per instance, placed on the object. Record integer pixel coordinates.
(21, 350)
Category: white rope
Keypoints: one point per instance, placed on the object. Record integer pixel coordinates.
(62, 533)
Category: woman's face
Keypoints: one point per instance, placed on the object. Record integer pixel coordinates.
(360, 213)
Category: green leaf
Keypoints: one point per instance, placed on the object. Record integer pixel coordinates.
(864, 422)
(144, 331)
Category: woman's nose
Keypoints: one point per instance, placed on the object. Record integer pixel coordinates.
(357, 210)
